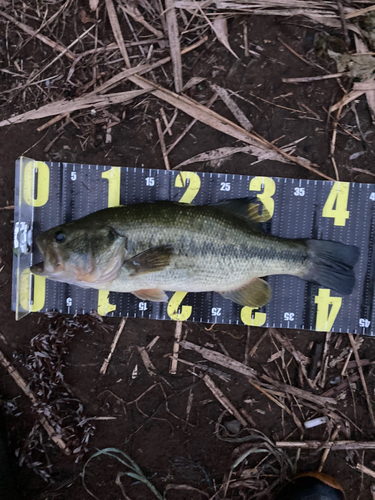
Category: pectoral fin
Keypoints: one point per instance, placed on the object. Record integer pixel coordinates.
(153, 294)
(256, 293)
(152, 260)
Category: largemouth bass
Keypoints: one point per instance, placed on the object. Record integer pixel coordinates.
(150, 248)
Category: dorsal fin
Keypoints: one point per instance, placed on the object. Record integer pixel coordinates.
(250, 209)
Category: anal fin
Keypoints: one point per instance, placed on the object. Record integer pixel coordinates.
(152, 294)
(256, 293)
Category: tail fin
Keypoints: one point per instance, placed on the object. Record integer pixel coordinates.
(331, 264)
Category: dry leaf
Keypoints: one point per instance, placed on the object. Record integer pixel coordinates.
(64, 106)
(195, 80)
(233, 107)
(94, 4)
(220, 27)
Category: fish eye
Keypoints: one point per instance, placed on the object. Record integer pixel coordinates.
(112, 235)
(60, 237)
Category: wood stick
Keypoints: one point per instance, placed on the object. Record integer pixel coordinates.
(223, 400)
(162, 144)
(176, 348)
(220, 359)
(104, 367)
(56, 46)
(355, 352)
(13, 372)
(327, 450)
(52, 121)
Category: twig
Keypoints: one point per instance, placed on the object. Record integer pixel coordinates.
(332, 445)
(141, 69)
(133, 11)
(343, 371)
(104, 367)
(360, 12)
(219, 122)
(365, 470)
(176, 348)
(257, 343)
(245, 40)
(327, 450)
(174, 44)
(165, 120)
(162, 144)
(42, 38)
(323, 369)
(52, 121)
(307, 79)
(296, 355)
(344, 24)
(296, 53)
(220, 359)
(223, 400)
(369, 403)
(363, 171)
(151, 370)
(81, 36)
(190, 126)
(25, 388)
(117, 31)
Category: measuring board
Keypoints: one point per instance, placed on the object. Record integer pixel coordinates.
(50, 193)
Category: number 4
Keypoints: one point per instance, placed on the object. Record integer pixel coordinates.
(337, 203)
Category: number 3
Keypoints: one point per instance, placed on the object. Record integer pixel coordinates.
(269, 187)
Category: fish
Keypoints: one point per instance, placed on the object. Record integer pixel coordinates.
(148, 249)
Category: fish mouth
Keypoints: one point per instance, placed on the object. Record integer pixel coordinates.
(38, 269)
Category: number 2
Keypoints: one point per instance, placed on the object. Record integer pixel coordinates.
(192, 182)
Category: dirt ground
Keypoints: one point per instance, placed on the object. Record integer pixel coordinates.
(171, 446)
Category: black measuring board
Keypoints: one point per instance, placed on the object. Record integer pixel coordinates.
(51, 193)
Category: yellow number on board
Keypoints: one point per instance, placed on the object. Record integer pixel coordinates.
(337, 203)
(36, 194)
(268, 188)
(39, 293)
(327, 310)
(250, 319)
(114, 182)
(104, 306)
(175, 303)
(192, 182)
(113, 175)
